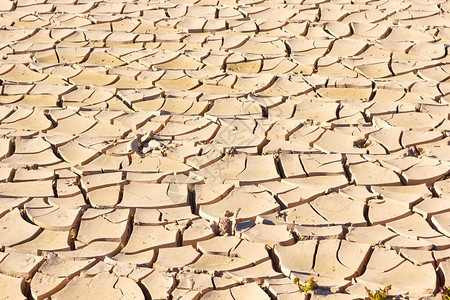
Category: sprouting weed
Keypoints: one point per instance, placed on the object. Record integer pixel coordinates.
(445, 292)
(306, 285)
(379, 294)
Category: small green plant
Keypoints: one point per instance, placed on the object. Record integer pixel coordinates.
(306, 285)
(445, 292)
(379, 294)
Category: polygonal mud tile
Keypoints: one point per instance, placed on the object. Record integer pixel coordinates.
(441, 222)
(145, 195)
(349, 261)
(322, 164)
(210, 193)
(233, 107)
(431, 206)
(426, 171)
(318, 233)
(418, 257)
(414, 227)
(332, 141)
(153, 164)
(159, 284)
(304, 215)
(413, 120)
(381, 212)
(386, 267)
(255, 252)
(269, 234)
(258, 273)
(53, 273)
(410, 138)
(256, 202)
(218, 294)
(132, 260)
(46, 241)
(29, 175)
(218, 263)
(145, 238)
(74, 153)
(403, 195)
(177, 214)
(227, 137)
(323, 183)
(339, 209)
(54, 218)
(101, 285)
(99, 267)
(43, 158)
(198, 230)
(104, 197)
(372, 174)
(374, 235)
(175, 258)
(388, 137)
(185, 294)
(317, 111)
(221, 245)
(98, 225)
(401, 242)
(92, 182)
(291, 165)
(248, 290)
(13, 287)
(298, 257)
(196, 282)
(23, 231)
(96, 249)
(20, 265)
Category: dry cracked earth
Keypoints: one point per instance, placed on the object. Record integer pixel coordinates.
(218, 149)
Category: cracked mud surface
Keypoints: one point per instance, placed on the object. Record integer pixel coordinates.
(220, 149)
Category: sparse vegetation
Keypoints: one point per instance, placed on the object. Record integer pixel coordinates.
(444, 292)
(306, 285)
(379, 294)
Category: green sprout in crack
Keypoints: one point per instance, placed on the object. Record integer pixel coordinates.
(445, 292)
(306, 285)
(380, 294)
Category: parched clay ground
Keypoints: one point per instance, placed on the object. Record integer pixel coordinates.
(188, 149)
